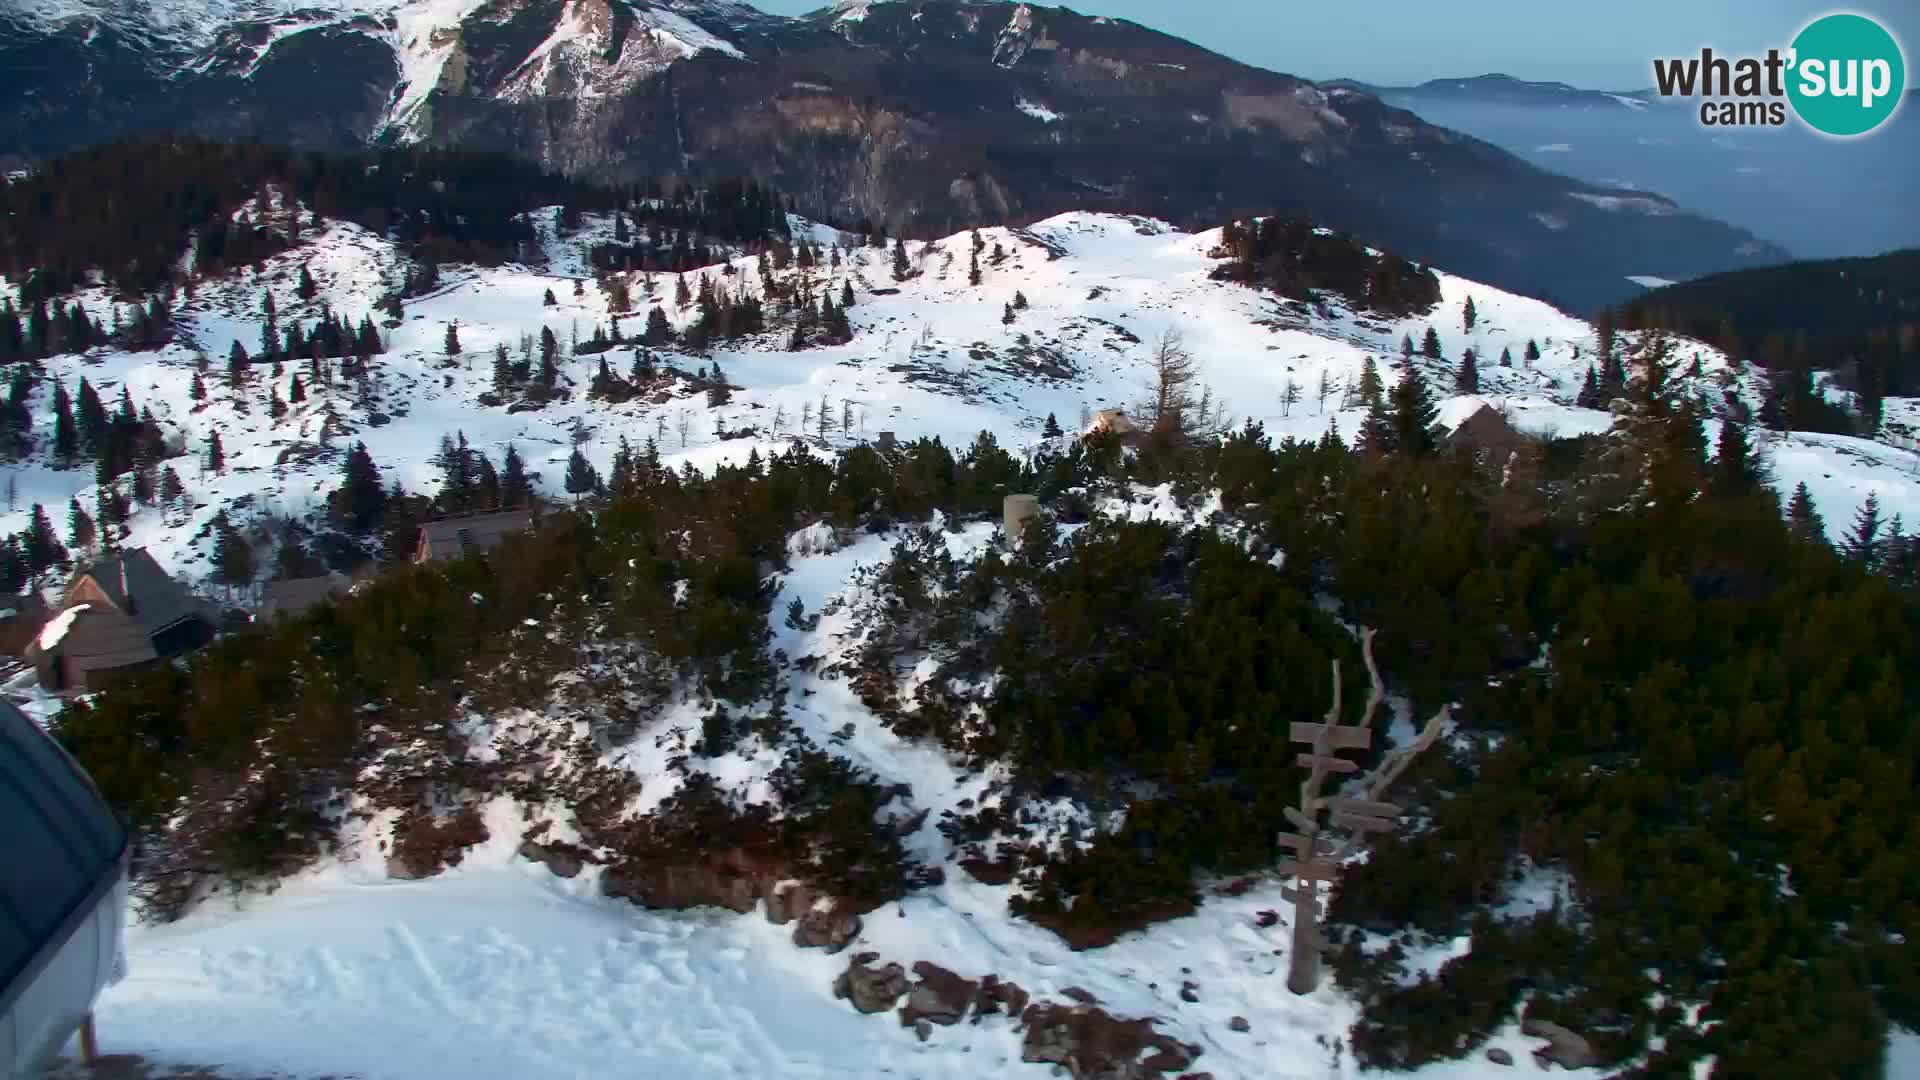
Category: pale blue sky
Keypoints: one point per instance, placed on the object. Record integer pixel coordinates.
(1606, 46)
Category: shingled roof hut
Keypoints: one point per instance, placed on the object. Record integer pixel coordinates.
(292, 596)
(451, 538)
(120, 614)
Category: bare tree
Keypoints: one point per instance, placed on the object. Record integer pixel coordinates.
(779, 418)
(806, 416)
(825, 415)
(1289, 397)
(846, 416)
(1170, 399)
(1324, 390)
(13, 492)
(685, 422)
(1316, 857)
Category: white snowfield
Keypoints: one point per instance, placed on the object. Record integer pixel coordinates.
(496, 968)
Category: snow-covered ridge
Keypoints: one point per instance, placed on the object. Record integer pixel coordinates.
(935, 358)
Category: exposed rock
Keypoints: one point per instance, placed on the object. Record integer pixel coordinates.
(1239, 1023)
(1093, 1045)
(425, 843)
(922, 1029)
(940, 997)
(1266, 919)
(733, 879)
(1499, 1056)
(996, 995)
(871, 989)
(788, 900)
(829, 928)
(989, 872)
(1190, 992)
(564, 859)
(1079, 995)
(1565, 1048)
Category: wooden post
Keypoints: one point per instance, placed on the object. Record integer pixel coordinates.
(89, 1045)
(1314, 860)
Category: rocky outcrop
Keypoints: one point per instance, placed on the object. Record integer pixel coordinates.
(1565, 1048)
(564, 859)
(1092, 1044)
(870, 989)
(426, 842)
(740, 881)
(940, 997)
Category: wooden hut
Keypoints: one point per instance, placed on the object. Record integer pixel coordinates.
(452, 538)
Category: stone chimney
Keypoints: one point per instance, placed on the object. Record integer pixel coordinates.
(1020, 509)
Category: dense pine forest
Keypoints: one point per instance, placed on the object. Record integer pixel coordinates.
(129, 209)
(1671, 691)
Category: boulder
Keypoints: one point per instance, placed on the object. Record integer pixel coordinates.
(870, 989)
(997, 996)
(564, 859)
(789, 900)
(1239, 1023)
(728, 879)
(1094, 1045)
(1190, 992)
(828, 928)
(1084, 997)
(1499, 1056)
(940, 997)
(1564, 1048)
(425, 843)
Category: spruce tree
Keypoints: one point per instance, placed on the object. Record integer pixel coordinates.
(296, 390)
(548, 299)
(276, 408)
(452, 343)
(502, 370)
(66, 434)
(1430, 345)
(549, 358)
(581, 478)
(1376, 430)
(516, 489)
(1862, 545)
(1414, 413)
(1372, 390)
(42, 545)
(1803, 519)
(1019, 300)
(306, 290)
(1506, 356)
(216, 457)
(79, 526)
(1052, 428)
(1469, 316)
(233, 558)
(1406, 346)
(170, 486)
(1532, 355)
(973, 268)
(1467, 378)
(901, 268)
(1736, 466)
(846, 295)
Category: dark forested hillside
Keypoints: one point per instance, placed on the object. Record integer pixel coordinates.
(1822, 299)
(1669, 694)
(128, 210)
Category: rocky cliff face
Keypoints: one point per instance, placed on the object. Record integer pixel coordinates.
(921, 115)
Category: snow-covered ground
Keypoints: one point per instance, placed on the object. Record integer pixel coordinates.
(498, 968)
(933, 358)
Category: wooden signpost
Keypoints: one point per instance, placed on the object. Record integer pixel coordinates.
(1315, 857)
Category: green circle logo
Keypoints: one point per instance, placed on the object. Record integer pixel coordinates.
(1847, 75)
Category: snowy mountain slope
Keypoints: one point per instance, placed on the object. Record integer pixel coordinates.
(932, 358)
(497, 967)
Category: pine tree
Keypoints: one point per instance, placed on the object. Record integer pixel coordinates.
(1803, 519)
(1862, 545)
(1430, 345)
(1736, 467)
(1372, 390)
(901, 268)
(1052, 428)
(237, 363)
(216, 458)
(79, 526)
(1376, 430)
(1469, 316)
(581, 478)
(360, 501)
(452, 344)
(1406, 346)
(549, 358)
(973, 268)
(296, 390)
(233, 558)
(66, 435)
(1007, 317)
(516, 489)
(276, 408)
(1506, 356)
(306, 290)
(718, 392)
(659, 331)
(1532, 355)
(682, 296)
(1467, 378)
(1414, 413)
(42, 545)
(846, 295)
(170, 486)
(548, 299)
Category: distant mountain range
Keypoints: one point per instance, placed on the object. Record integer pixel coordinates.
(1507, 90)
(923, 115)
(1816, 196)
